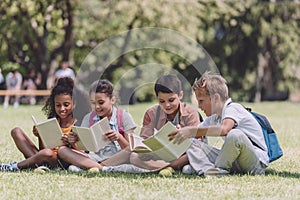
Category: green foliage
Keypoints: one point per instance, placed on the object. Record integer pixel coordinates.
(234, 33)
(9, 66)
(34, 33)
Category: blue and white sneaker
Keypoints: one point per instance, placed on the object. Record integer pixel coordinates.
(9, 167)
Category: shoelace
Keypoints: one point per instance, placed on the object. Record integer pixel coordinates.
(5, 167)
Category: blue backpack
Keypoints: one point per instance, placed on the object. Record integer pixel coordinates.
(274, 149)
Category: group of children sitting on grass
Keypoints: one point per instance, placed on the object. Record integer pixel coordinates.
(223, 118)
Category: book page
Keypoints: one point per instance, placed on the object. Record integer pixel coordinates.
(178, 149)
(165, 154)
(160, 143)
(50, 132)
(160, 138)
(136, 144)
(86, 138)
(98, 129)
(93, 138)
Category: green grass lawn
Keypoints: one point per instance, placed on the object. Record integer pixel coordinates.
(280, 182)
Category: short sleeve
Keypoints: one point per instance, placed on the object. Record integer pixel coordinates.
(86, 120)
(128, 121)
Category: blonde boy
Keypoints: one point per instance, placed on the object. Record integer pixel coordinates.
(231, 121)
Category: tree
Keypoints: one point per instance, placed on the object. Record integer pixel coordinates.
(36, 33)
(255, 47)
(253, 43)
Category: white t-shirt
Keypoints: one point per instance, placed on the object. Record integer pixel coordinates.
(12, 82)
(68, 72)
(1, 78)
(246, 123)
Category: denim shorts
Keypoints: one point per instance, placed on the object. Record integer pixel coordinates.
(104, 153)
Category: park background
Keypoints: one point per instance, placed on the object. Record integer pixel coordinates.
(254, 45)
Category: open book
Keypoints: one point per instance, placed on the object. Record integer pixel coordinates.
(49, 132)
(92, 138)
(159, 145)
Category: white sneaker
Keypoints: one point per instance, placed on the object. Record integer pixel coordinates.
(41, 169)
(16, 105)
(74, 168)
(217, 172)
(127, 168)
(5, 105)
(188, 169)
(9, 167)
(32, 101)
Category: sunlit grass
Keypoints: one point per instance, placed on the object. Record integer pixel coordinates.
(280, 182)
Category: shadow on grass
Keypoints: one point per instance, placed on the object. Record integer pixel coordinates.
(125, 175)
(284, 174)
(87, 174)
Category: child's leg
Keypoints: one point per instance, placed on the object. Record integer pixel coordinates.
(147, 163)
(23, 143)
(6, 101)
(77, 158)
(45, 156)
(180, 162)
(122, 157)
(238, 147)
(202, 156)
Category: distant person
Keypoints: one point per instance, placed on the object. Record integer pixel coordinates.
(31, 82)
(13, 82)
(64, 71)
(2, 82)
(244, 149)
(59, 105)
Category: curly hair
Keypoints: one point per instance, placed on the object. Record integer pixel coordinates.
(64, 85)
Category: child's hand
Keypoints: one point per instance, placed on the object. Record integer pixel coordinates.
(178, 126)
(72, 138)
(112, 135)
(64, 139)
(179, 135)
(35, 131)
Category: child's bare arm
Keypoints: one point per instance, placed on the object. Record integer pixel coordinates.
(36, 133)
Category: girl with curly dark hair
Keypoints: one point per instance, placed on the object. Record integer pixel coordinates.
(59, 105)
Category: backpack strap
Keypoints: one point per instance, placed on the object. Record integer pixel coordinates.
(157, 117)
(199, 115)
(120, 122)
(91, 120)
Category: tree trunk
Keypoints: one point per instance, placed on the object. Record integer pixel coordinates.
(259, 77)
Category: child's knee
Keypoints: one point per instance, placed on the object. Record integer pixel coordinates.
(48, 153)
(235, 136)
(134, 158)
(62, 150)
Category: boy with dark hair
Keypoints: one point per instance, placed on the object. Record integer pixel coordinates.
(168, 90)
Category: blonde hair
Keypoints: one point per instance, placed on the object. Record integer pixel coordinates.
(209, 84)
